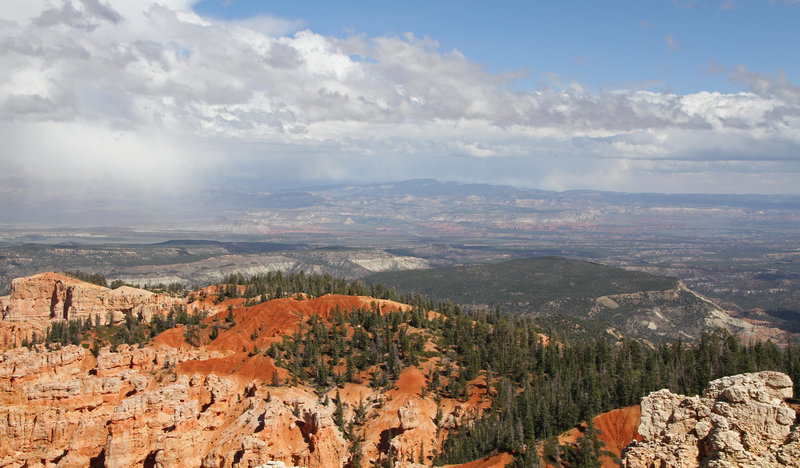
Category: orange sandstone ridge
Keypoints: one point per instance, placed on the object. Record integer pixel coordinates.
(173, 404)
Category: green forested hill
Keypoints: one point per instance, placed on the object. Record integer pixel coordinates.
(639, 304)
(524, 284)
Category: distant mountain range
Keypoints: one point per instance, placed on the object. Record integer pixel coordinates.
(423, 207)
(741, 249)
(430, 208)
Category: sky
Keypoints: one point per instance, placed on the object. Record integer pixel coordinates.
(140, 102)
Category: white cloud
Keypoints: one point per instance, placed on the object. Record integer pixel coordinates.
(771, 86)
(122, 94)
(672, 43)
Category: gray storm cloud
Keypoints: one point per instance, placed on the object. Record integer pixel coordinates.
(133, 97)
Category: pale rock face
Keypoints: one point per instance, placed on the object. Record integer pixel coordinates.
(268, 433)
(739, 420)
(132, 430)
(51, 408)
(20, 363)
(327, 447)
(50, 296)
(275, 464)
(410, 416)
(127, 358)
(418, 431)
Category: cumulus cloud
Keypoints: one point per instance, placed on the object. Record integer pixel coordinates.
(150, 97)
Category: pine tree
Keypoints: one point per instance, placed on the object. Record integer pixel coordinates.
(356, 453)
(588, 453)
(338, 413)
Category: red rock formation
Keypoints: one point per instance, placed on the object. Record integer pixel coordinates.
(173, 404)
(52, 409)
(14, 334)
(270, 321)
(130, 409)
(50, 296)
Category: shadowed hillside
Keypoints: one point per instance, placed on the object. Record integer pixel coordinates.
(525, 285)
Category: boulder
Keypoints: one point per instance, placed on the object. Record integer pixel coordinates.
(741, 420)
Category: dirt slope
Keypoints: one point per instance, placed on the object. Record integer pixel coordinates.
(616, 429)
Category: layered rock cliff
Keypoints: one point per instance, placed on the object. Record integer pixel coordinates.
(127, 408)
(740, 420)
(130, 407)
(50, 296)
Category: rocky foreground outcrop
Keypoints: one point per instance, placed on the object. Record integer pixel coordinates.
(127, 408)
(134, 407)
(740, 421)
(51, 296)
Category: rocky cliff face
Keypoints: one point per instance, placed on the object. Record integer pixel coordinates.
(129, 408)
(171, 404)
(740, 421)
(50, 296)
(126, 408)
